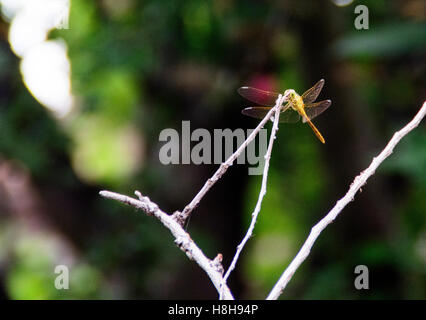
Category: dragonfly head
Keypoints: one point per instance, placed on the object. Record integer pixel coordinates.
(290, 93)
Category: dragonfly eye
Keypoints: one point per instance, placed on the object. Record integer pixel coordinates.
(289, 92)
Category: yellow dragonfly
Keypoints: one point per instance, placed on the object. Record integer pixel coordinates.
(297, 106)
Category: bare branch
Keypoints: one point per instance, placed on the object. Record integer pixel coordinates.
(174, 223)
(262, 193)
(223, 167)
(213, 268)
(359, 181)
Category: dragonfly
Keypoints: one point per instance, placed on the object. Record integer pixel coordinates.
(297, 106)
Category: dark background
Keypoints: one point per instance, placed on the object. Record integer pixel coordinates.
(138, 67)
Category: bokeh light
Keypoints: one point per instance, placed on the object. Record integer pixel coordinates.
(45, 66)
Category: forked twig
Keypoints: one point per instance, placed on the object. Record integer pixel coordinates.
(359, 181)
(222, 169)
(176, 221)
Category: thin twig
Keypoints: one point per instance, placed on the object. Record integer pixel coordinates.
(213, 268)
(262, 193)
(222, 169)
(359, 181)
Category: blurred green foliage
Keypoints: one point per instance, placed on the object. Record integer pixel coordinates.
(141, 66)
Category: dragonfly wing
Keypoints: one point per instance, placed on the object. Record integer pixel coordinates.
(312, 94)
(289, 115)
(265, 98)
(315, 109)
(256, 112)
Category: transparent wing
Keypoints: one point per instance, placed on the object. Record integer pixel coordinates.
(265, 98)
(256, 112)
(312, 94)
(288, 115)
(315, 109)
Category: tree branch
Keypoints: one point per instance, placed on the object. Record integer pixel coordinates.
(224, 166)
(174, 223)
(213, 268)
(359, 181)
